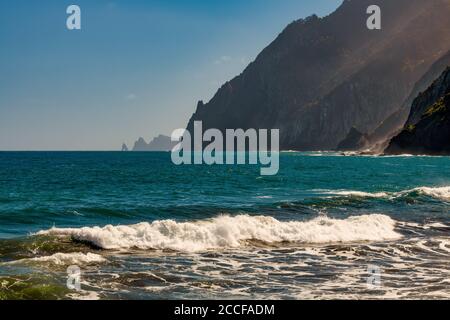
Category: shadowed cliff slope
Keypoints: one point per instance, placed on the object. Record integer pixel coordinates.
(396, 121)
(354, 141)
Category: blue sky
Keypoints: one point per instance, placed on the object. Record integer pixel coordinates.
(137, 68)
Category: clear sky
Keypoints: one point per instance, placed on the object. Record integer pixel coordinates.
(137, 67)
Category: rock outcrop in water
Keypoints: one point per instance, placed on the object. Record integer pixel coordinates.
(427, 130)
(323, 76)
(354, 141)
(160, 143)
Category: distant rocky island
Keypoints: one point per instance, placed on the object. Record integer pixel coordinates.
(160, 143)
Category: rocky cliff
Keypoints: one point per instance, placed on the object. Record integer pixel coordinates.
(427, 130)
(323, 76)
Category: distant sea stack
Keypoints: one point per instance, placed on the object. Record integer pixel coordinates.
(427, 130)
(160, 143)
(323, 76)
(124, 147)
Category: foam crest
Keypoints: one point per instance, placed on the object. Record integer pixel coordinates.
(232, 232)
(361, 194)
(66, 259)
(441, 193)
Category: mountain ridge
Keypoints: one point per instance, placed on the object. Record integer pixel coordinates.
(323, 76)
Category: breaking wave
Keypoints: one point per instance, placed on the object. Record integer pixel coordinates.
(231, 232)
(442, 193)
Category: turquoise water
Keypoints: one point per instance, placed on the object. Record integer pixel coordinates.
(223, 231)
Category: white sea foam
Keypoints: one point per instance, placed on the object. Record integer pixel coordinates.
(232, 232)
(360, 194)
(66, 259)
(441, 193)
(84, 295)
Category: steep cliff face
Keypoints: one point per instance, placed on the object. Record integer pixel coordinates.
(427, 130)
(323, 76)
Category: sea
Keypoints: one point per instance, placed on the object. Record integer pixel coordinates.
(126, 225)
